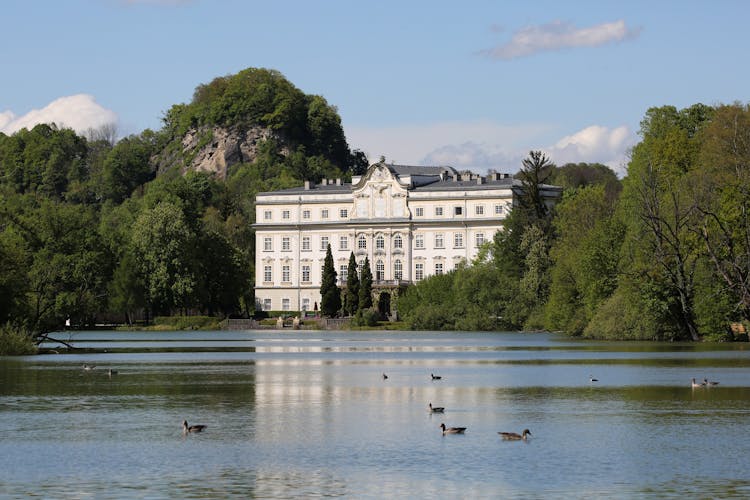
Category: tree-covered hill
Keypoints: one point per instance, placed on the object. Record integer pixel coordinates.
(94, 229)
(227, 119)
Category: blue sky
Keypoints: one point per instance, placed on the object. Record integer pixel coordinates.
(474, 84)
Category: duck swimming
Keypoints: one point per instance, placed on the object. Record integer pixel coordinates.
(695, 384)
(435, 377)
(452, 430)
(512, 436)
(436, 409)
(187, 429)
(708, 383)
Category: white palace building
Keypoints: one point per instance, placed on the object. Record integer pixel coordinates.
(410, 221)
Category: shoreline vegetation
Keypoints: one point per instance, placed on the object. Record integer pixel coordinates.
(99, 229)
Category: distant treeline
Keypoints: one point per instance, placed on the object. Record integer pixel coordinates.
(663, 254)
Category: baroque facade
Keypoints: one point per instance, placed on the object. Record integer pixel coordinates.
(410, 221)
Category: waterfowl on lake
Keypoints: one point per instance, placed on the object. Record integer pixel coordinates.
(436, 409)
(708, 383)
(186, 429)
(512, 436)
(592, 379)
(435, 377)
(111, 372)
(696, 384)
(88, 368)
(452, 430)
(385, 377)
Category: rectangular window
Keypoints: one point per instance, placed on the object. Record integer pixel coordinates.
(324, 243)
(479, 237)
(499, 210)
(305, 214)
(306, 274)
(285, 244)
(479, 209)
(419, 241)
(285, 214)
(438, 268)
(305, 304)
(285, 274)
(419, 212)
(266, 304)
(324, 213)
(458, 210)
(458, 240)
(439, 241)
(362, 242)
(267, 274)
(418, 272)
(343, 273)
(285, 304)
(267, 245)
(343, 243)
(306, 243)
(267, 215)
(343, 213)
(380, 242)
(438, 211)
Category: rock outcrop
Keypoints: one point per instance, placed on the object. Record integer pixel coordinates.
(215, 149)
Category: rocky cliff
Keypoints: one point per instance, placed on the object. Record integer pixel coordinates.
(215, 149)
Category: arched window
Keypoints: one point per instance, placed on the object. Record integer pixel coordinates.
(398, 242)
(361, 242)
(380, 242)
(379, 271)
(398, 271)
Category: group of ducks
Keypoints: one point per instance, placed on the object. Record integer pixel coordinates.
(508, 436)
(705, 383)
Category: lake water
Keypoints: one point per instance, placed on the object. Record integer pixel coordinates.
(308, 414)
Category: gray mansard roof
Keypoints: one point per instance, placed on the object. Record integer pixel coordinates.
(419, 178)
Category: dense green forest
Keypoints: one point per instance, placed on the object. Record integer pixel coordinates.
(93, 228)
(663, 254)
(88, 230)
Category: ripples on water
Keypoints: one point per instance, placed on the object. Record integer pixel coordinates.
(305, 414)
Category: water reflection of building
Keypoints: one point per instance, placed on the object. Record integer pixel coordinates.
(409, 221)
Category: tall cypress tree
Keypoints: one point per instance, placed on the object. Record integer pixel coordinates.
(330, 295)
(365, 286)
(351, 298)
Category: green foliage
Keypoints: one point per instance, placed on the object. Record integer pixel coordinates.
(163, 243)
(365, 285)
(126, 167)
(469, 298)
(16, 341)
(44, 160)
(330, 301)
(366, 317)
(351, 296)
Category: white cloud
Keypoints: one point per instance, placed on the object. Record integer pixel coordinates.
(560, 35)
(79, 112)
(595, 144)
(479, 146)
(473, 144)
